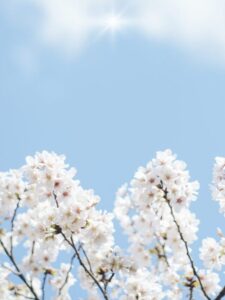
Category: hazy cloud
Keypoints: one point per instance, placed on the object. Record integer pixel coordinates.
(192, 24)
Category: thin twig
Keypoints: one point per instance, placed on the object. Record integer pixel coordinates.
(43, 284)
(72, 244)
(88, 272)
(185, 244)
(221, 294)
(67, 275)
(161, 256)
(32, 250)
(88, 261)
(26, 297)
(20, 275)
(56, 200)
(11, 270)
(12, 224)
(163, 253)
(108, 280)
(111, 277)
(191, 292)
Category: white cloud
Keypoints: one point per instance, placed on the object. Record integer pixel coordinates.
(72, 23)
(193, 24)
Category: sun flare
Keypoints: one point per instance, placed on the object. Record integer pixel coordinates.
(114, 22)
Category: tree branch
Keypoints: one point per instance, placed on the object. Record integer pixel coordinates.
(221, 294)
(82, 264)
(56, 200)
(26, 297)
(12, 224)
(43, 284)
(88, 261)
(20, 275)
(191, 293)
(67, 275)
(185, 243)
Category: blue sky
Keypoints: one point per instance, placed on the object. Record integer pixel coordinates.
(111, 102)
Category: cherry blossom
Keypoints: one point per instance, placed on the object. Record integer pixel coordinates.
(54, 238)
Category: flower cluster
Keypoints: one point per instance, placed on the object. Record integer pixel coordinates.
(48, 214)
(212, 253)
(52, 234)
(218, 187)
(154, 213)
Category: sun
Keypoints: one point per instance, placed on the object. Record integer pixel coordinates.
(114, 22)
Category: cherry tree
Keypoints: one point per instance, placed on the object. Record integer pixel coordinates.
(53, 237)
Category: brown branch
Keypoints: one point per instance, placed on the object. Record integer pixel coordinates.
(88, 261)
(111, 277)
(221, 294)
(161, 253)
(88, 272)
(43, 284)
(191, 292)
(12, 224)
(56, 200)
(67, 274)
(105, 280)
(185, 244)
(108, 280)
(20, 275)
(32, 250)
(26, 297)
(82, 264)
(188, 253)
